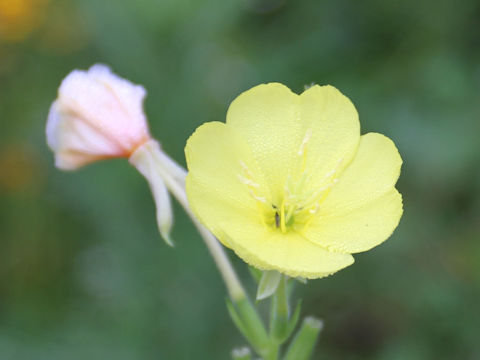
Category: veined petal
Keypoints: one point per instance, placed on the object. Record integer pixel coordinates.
(129, 95)
(374, 171)
(110, 104)
(267, 117)
(290, 253)
(331, 132)
(363, 208)
(317, 131)
(76, 142)
(222, 177)
(360, 229)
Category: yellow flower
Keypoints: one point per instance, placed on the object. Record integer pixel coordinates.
(289, 184)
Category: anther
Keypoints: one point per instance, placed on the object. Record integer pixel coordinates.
(277, 220)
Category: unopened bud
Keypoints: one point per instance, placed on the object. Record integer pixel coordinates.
(97, 115)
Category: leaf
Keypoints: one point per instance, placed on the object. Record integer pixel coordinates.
(237, 320)
(294, 319)
(268, 284)
(301, 347)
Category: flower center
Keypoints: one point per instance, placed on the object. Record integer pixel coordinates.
(298, 206)
(298, 203)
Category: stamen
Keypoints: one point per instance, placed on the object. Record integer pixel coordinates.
(248, 182)
(246, 169)
(256, 197)
(251, 184)
(305, 140)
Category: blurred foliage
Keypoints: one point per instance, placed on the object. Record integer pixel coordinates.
(83, 271)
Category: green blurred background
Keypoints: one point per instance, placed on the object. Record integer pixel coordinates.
(83, 271)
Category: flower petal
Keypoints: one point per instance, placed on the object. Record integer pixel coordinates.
(331, 132)
(267, 116)
(361, 229)
(318, 131)
(216, 158)
(363, 208)
(374, 171)
(75, 142)
(289, 253)
(110, 104)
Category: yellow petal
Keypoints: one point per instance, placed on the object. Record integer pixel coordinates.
(216, 158)
(317, 131)
(268, 118)
(361, 229)
(288, 253)
(363, 208)
(374, 171)
(331, 132)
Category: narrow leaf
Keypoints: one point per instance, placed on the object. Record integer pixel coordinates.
(301, 348)
(236, 320)
(268, 284)
(294, 319)
(253, 325)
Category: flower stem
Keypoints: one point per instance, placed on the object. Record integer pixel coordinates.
(173, 175)
(279, 313)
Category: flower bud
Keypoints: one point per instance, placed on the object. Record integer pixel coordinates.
(97, 115)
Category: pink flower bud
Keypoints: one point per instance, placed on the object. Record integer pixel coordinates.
(97, 115)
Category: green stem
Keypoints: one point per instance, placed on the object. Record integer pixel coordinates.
(174, 177)
(272, 352)
(280, 308)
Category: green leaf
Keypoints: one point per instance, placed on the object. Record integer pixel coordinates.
(237, 320)
(249, 324)
(294, 319)
(268, 284)
(301, 348)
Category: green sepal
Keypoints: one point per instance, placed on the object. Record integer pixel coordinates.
(301, 347)
(294, 319)
(268, 284)
(246, 318)
(238, 321)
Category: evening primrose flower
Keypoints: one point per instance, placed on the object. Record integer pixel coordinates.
(289, 184)
(99, 115)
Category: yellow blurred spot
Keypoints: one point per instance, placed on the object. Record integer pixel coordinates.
(19, 169)
(18, 18)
